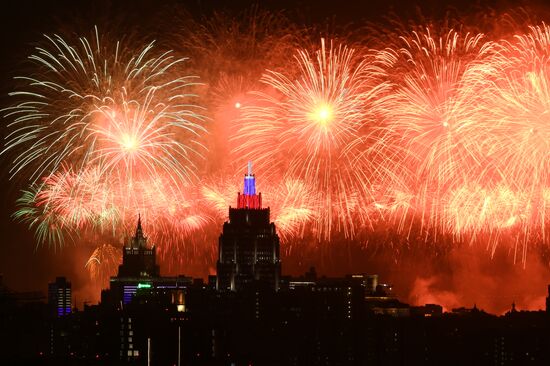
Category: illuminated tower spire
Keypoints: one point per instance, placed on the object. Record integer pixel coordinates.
(249, 181)
(249, 199)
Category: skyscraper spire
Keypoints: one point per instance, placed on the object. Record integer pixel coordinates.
(139, 230)
(249, 199)
(138, 262)
(249, 182)
(139, 239)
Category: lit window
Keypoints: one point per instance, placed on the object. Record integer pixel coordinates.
(130, 353)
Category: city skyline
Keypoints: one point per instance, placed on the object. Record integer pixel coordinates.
(239, 264)
(250, 308)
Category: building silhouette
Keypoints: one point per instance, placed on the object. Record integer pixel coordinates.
(60, 309)
(249, 244)
(138, 260)
(138, 301)
(250, 314)
(139, 272)
(137, 269)
(60, 297)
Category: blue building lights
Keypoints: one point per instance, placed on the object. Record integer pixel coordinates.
(249, 182)
(249, 185)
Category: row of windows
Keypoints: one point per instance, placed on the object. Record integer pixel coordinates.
(131, 353)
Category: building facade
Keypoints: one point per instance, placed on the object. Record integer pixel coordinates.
(249, 245)
(60, 297)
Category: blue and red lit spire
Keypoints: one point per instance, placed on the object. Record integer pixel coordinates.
(249, 199)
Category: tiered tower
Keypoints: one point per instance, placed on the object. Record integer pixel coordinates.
(137, 259)
(249, 244)
(138, 269)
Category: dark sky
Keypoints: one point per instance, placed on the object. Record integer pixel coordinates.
(26, 267)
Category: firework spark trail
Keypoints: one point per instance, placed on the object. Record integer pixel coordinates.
(83, 204)
(516, 142)
(220, 193)
(315, 128)
(236, 48)
(470, 118)
(292, 207)
(471, 209)
(94, 104)
(429, 109)
(103, 263)
(48, 227)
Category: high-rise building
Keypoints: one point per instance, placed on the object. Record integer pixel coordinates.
(60, 296)
(136, 290)
(139, 272)
(138, 267)
(138, 260)
(249, 244)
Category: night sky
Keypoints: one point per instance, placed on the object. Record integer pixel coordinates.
(453, 276)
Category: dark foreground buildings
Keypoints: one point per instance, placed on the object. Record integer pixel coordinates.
(249, 314)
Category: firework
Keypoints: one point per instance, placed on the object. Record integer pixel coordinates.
(103, 263)
(516, 137)
(315, 127)
(517, 99)
(467, 116)
(99, 103)
(430, 109)
(82, 206)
